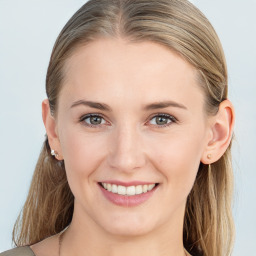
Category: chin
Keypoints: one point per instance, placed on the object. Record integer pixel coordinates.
(128, 227)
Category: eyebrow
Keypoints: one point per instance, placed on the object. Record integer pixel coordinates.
(152, 106)
(163, 104)
(92, 104)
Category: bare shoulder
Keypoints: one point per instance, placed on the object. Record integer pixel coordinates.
(18, 251)
(48, 246)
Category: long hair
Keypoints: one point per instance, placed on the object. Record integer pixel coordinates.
(180, 26)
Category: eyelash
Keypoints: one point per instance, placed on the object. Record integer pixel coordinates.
(166, 116)
(172, 119)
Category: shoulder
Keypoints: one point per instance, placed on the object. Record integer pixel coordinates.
(18, 251)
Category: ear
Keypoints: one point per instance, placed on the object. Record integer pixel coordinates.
(221, 131)
(51, 129)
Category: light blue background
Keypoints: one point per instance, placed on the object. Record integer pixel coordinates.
(28, 29)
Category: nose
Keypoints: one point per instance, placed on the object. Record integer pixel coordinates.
(126, 152)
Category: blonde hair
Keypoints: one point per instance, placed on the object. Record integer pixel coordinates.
(180, 26)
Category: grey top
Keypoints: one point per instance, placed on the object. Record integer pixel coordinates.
(25, 251)
(19, 251)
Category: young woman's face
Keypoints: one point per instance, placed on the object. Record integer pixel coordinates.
(130, 115)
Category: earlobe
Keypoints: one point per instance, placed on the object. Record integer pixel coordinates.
(50, 126)
(221, 129)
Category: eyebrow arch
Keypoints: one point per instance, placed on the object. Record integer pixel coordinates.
(152, 106)
(164, 104)
(92, 104)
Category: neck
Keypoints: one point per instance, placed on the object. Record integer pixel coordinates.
(85, 238)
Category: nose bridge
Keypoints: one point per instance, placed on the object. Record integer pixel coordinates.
(126, 149)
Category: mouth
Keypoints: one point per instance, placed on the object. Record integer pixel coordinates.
(128, 190)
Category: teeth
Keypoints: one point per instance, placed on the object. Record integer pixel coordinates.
(114, 188)
(128, 191)
(121, 190)
(151, 186)
(138, 189)
(109, 187)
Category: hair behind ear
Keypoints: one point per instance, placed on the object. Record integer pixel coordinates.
(209, 205)
(49, 201)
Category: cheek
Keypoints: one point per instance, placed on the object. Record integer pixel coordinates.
(82, 154)
(178, 158)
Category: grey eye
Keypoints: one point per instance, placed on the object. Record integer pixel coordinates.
(162, 120)
(93, 120)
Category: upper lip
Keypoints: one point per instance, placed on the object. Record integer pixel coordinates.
(127, 184)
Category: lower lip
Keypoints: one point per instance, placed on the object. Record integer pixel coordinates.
(127, 201)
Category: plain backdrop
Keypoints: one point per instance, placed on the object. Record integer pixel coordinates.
(28, 29)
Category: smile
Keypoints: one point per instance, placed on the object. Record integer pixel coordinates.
(129, 190)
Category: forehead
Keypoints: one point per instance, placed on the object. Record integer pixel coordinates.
(115, 68)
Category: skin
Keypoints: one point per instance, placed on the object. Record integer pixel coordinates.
(131, 145)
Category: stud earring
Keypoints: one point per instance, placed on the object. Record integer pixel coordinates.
(54, 153)
(209, 156)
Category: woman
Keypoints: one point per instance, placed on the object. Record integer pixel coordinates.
(139, 129)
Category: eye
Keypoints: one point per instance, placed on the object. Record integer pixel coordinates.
(163, 120)
(92, 120)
